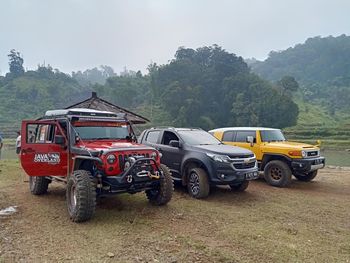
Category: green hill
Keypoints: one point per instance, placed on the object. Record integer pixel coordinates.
(322, 68)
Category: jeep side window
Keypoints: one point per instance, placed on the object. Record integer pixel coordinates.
(228, 136)
(169, 136)
(152, 136)
(40, 133)
(241, 136)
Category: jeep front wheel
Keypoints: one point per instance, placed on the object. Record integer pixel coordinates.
(277, 173)
(163, 194)
(197, 183)
(38, 184)
(241, 187)
(307, 177)
(81, 196)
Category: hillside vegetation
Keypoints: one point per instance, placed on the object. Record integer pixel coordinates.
(322, 68)
(205, 87)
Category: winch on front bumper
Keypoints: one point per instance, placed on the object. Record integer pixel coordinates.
(308, 165)
(142, 174)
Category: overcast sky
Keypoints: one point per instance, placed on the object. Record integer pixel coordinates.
(75, 35)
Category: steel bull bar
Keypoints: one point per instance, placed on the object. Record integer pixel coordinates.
(136, 177)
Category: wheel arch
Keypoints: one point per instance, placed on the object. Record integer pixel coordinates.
(271, 157)
(192, 163)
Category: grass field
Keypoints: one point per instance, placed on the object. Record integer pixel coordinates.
(308, 222)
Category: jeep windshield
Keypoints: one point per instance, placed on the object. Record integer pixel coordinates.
(272, 136)
(102, 132)
(198, 137)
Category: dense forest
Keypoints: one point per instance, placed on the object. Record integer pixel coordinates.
(206, 87)
(320, 65)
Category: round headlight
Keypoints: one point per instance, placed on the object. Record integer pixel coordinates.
(303, 154)
(111, 159)
(132, 159)
(154, 155)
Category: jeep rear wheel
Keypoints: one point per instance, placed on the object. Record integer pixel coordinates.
(277, 173)
(241, 187)
(81, 196)
(38, 184)
(197, 183)
(163, 194)
(306, 177)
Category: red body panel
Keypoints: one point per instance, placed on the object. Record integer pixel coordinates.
(42, 159)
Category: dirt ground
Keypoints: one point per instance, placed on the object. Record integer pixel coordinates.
(308, 222)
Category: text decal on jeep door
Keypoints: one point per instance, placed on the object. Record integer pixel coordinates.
(51, 158)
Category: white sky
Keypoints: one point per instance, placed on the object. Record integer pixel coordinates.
(75, 35)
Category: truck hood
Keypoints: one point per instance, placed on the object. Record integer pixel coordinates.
(110, 145)
(291, 145)
(224, 149)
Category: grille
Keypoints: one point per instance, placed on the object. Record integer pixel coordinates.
(244, 165)
(312, 153)
(241, 156)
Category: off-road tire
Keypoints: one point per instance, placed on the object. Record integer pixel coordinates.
(81, 196)
(241, 187)
(197, 183)
(277, 173)
(164, 193)
(306, 177)
(38, 185)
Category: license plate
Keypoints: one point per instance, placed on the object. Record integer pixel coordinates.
(251, 176)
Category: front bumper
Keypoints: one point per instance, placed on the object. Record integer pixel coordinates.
(224, 174)
(142, 175)
(308, 165)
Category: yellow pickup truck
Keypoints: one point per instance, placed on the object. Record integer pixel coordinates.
(277, 157)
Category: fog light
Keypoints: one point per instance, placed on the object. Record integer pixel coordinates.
(222, 176)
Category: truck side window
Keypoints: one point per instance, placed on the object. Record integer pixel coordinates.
(228, 136)
(169, 136)
(152, 136)
(242, 136)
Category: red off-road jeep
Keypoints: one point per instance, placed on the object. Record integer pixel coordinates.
(95, 153)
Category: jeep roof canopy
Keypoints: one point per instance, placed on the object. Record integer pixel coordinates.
(96, 103)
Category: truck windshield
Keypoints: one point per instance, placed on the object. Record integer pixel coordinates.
(198, 137)
(102, 132)
(272, 136)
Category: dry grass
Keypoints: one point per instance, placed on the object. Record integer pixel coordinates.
(308, 222)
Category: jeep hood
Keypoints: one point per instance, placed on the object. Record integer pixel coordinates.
(224, 149)
(291, 145)
(110, 145)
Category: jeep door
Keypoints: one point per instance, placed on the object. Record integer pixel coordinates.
(172, 156)
(40, 155)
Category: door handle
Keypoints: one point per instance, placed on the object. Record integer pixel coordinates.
(28, 150)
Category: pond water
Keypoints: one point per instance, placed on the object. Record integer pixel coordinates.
(333, 157)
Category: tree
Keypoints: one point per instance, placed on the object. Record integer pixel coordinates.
(288, 85)
(16, 63)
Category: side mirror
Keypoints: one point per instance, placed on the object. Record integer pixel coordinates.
(250, 139)
(174, 143)
(59, 139)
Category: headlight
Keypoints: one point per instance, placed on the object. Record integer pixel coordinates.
(111, 159)
(219, 158)
(303, 154)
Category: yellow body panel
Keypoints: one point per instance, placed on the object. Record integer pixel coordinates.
(260, 148)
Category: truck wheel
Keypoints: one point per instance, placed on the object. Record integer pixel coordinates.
(38, 185)
(241, 187)
(306, 177)
(164, 193)
(277, 173)
(197, 183)
(81, 196)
